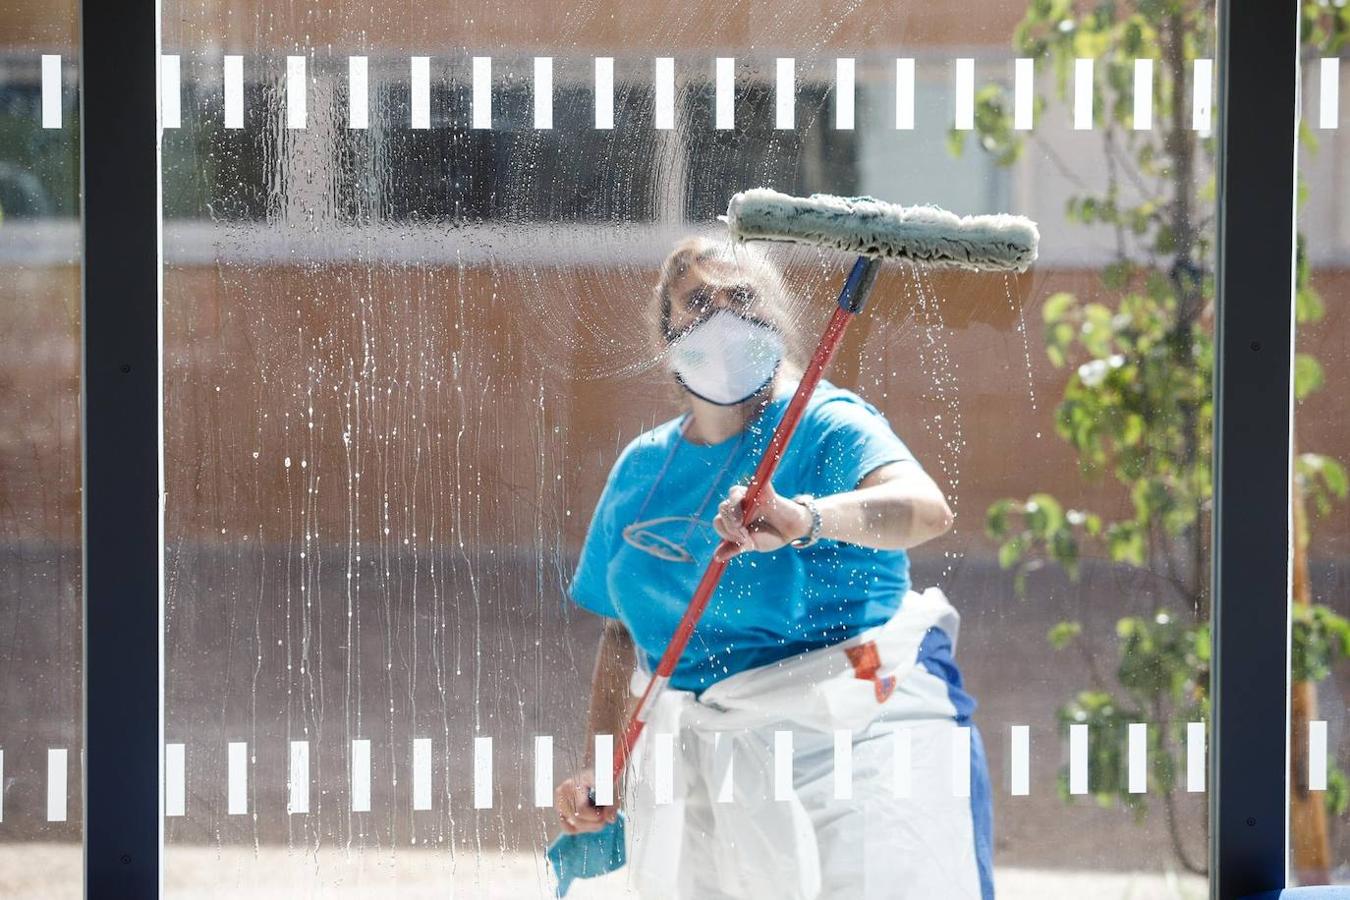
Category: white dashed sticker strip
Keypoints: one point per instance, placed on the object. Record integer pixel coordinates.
(237, 778)
(296, 96)
(1078, 759)
(1202, 91)
(170, 92)
(604, 767)
(843, 764)
(175, 780)
(51, 90)
(482, 92)
(961, 761)
(662, 755)
(419, 91)
(782, 765)
(421, 772)
(360, 776)
(1329, 93)
(1020, 764)
(482, 773)
(56, 784)
(604, 92)
(358, 92)
(1082, 94)
(845, 79)
(234, 91)
(724, 759)
(1317, 755)
(785, 93)
(724, 97)
(543, 770)
(1024, 93)
(844, 88)
(543, 92)
(1137, 751)
(665, 93)
(297, 779)
(1195, 757)
(1143, 95)
(902, 762)
(965, 94)
(663, 764)
(904, 94)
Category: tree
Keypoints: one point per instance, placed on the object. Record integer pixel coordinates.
(1137, 407)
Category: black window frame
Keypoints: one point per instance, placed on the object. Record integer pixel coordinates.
(1257, 63)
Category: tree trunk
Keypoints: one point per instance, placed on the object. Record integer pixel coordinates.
(1307, 810)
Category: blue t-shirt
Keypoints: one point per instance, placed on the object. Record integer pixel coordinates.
(664, 490)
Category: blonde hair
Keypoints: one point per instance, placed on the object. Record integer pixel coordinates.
(747, 265)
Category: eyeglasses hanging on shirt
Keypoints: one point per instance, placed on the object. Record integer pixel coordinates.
(645, 534)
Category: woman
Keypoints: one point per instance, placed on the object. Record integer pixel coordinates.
(813, 632)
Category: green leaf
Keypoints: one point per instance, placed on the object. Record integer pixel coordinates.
(1166, 240)
(1334, 476)
(1308, 306)
(1337, 797)
(1321, 638)
(1043, 513)
(1307, 136)
(1062, 633)
(1010, 553)
(1201, 646)
(1056, 305)
(1322, 480)
(956, 142)
(996, 519)
(1308, 376)
(1116, 275)
(1125, 543)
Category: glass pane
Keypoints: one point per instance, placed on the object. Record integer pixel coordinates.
(1319, 748)
(40, 608)
(412, 326)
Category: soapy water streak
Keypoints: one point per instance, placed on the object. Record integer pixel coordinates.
(410, 462)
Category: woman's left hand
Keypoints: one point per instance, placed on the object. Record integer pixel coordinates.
(777, 520)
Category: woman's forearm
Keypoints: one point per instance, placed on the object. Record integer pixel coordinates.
(886, 516)
(610, 697)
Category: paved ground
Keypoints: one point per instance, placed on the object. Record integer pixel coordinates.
(51, 871)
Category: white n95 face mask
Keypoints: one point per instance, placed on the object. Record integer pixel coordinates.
(726, 359)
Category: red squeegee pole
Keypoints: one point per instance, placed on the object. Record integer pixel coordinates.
(850, 303)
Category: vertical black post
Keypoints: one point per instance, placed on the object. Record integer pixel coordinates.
(1249, 753)
(122, 465)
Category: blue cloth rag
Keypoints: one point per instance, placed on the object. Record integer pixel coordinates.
(587, 855)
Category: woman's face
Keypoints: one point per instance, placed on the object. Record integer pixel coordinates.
(704, 289)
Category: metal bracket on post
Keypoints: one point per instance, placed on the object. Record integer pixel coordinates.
(1249, 752)
(122, 458)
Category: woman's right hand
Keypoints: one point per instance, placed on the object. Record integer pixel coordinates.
(575, 809)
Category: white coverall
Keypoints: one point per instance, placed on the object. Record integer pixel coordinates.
(715, 812)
